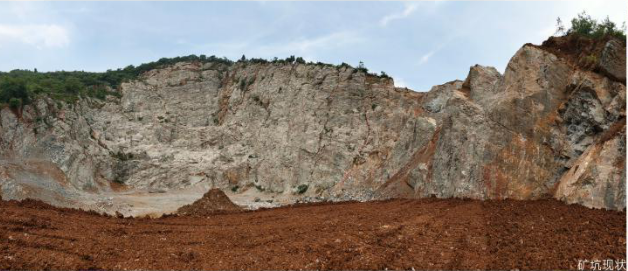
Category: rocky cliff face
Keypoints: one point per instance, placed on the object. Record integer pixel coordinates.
(547, 127)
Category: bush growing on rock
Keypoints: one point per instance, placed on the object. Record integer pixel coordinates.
(15, 103)
(302, 188)
(69, 86)
(13, 90)
(362, 68)
(584, 25)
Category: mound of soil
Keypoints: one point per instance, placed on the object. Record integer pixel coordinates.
(213, 202)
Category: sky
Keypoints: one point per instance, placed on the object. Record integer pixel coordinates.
(419, 44)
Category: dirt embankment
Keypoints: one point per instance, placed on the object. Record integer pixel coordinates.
(396, 234)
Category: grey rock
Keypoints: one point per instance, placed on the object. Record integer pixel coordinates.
(346, 134)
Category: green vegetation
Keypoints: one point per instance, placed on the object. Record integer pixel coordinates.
(302, 188)
(590, 60)
(69, 86)
(362, 68)
(235, 189)
(584, 25)
(15, 103)
(14, 91)
(20, 87)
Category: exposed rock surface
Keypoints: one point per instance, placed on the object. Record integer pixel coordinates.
(547, 127)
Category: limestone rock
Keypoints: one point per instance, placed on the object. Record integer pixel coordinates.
(613, 60)
(543, 128)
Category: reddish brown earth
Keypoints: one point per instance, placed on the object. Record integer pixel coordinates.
(213, 202)
(395, 234)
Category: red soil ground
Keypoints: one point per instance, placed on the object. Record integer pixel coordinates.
(396, 234)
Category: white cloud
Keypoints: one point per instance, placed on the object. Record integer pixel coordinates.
(426, 57)
(409, 9)
(331, 40)
(310, 47)
(38, 35)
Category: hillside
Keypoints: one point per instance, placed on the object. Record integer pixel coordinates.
(550, 126)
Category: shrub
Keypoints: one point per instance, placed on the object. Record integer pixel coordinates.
(235, 188)
(15, 103)
(362, 68)
(14, 88)
(73, 85)
(344, 65)
(584, 25)
(590, 60)
(243, 84)
(302, 188)
(67, 86)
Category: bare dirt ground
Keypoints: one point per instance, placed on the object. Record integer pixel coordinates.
(395, 234)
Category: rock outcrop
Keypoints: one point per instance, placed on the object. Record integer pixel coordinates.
(547, 127)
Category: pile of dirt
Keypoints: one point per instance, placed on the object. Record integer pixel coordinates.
(213, 202)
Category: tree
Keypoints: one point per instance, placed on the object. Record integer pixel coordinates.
(586, 26)
(362, 68)
(15, 103)
(560, 28)
(583, 24)
(73, 85)
(243, 58)
(607, 27)
(14, 88)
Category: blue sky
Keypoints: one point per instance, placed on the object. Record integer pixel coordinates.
(420, 44)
